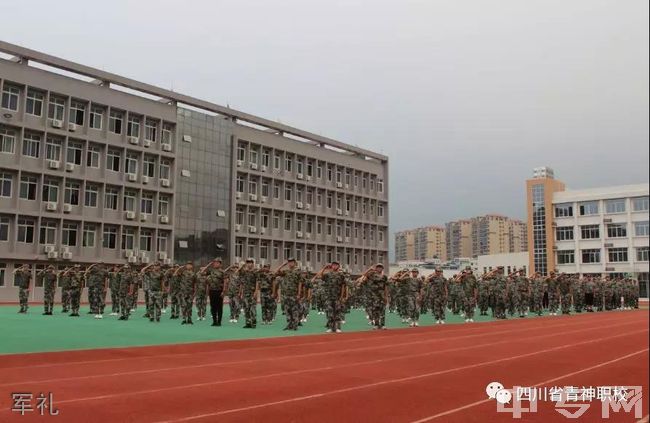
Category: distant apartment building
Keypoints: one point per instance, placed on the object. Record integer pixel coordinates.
(421, 244)
(459, 238)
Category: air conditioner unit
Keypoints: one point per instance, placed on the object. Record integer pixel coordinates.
(50, 206)
(167, 261)
(167, 147)
(262, 231)
(56, 123)
(339, 184)
(133, 140)
(339, 239)
(48, 248)
(252, 197)
(69, 167)
(67, 208)
(252, 229)
(66, 256)
(72, 127)
(132, 177)
(253, 166)
(52, 255)
(239, 163)
(132, 259)
(300, 176)
(263, 199)
(128, 253)
(164, 219)
(347, 186)
(308, 178)
(187, 138)
(145, 259)
(307, 235)
(299, 204)
(143, 217)
(339, 212)
(165, 183)
(238, 195)
(65, 249)
(162, 255)
(347, 239)
(130, 215)
(237, 227)
(145, 179)
(347, 213)
(263, 168)
(307, 206)
(146, 143)
(53, 164)
(299, 234)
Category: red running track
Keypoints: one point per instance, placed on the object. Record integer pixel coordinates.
(436, 374)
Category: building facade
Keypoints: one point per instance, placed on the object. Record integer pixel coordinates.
(459, 239)
(98, 167)
(600, 231)
(421, 244)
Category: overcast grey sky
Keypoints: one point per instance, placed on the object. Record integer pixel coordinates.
(464, 96)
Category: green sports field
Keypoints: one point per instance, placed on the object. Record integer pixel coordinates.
(33, 332)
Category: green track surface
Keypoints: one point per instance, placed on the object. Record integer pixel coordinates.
(33, 332)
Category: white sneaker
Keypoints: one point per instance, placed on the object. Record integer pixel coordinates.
(466, 320)
(338, 331)
(416, 324)
(328, 331)
(342, 322)
(471, 320)
(442, 322)
(97, 316)
(163, 311)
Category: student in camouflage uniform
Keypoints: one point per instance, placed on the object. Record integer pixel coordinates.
(217, 282)
(187, 291)
(76, 286)
(455, 301)
(512, 295)
(305, 301)
(483, 296)
(414, 292)
(64, 279)
(267, 300)
(114, 285)
(469, 288)
(618, 294)
(577, 288)
(234, 301)
(589, 289)
(318, 295)
(49, 276)
(201, 294)
(137, 284)
(537, 293)
(376, 288)
(437, 287)
(523, 293)
(174, 292)
(248, 289)
(124, 284)
(290, 291)
(599, 287)
(23, 279)
(564, 287)
(553, 293)
(155, 282)
(96, 276)
(500, 293)
(336, 290)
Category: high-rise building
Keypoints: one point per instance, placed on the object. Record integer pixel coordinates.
(421, 244)
(95, 166)
(459, 238)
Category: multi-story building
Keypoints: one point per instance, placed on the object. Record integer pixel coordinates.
(421, 244)
(496, 234)
(594, 231)
(459, 238)
(518, 235)
(95, 166)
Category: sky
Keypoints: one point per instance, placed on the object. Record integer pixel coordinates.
(466, 97)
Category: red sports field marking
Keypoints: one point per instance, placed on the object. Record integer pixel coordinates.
(317, 369)
(545, 382)
(645, 419)
(257, 360)
(194, 349)
(398, 380)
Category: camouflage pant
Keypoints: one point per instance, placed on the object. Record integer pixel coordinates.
(147, 302)
(438, 307)
(115, 301)
(468, 306)
(483, 302)
(305, 305)
(165, 296)
(250, 309)
(187, 298)
(235, 306)
(598, 301)
(268, 306)
(75, 299)
(334, 313)
(175, 303)
(201, 303)
(133, 300)
(499, 307)
(412, 310)
(566, 303)
(155, 305)
(522, 303)
(125, 304)
(513, 300)
(377, 311)
(578, 302)
(23, 295)
(454, 302)
(48, 299)
(536, 302)
(291, 309)
(553, 302)
(94, 294)
(65, 299)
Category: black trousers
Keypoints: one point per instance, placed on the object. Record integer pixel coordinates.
(589, 299)
(216, 305)
(545, 300)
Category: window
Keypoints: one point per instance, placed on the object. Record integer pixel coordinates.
(48, 233)
(380, 236)
(128, 238)
(146, 204)
(7, 141)
(133, 127)
(50, 191)
(240, 184)
(165, 170)
(10, 97)
(4, 228)
(616, 230)
(265, 220)
(590, 231)
(641, 228)
(69, 234)
(77, 111)
(287, 193)
(146, 239)
(310, 168)
(276, 191)
(92, 156)
(253, 156)
(31, 145)
(241, 153)
(287, 222)
(591, 256)
(149, 166)
(131, 164)
(113, 160)
(56, 108)
(150, 130)
(6, 180)
(74, 153)
(239, 217)
(299, 167)
(588, 208)
(380, 210)
(563, 210)
(129, 201)
(96, 117)
(166, 135)
(252, 187)
(111, 198)
(163, 206)
(565, 257)
(617, 255)
(25, 230)
(28, 187)
(265, 188)
(88, 235)
(276, 221)
(53, 149)
(3, 270)
(162, 242)
(90, 196)
(115, 122)
(276, 162)
(34, 105)
(252, 218)
(380, 185)
(319, 173)
(330, 174)
(564, 233)
(642, 254)
(109, 238)
(266, 158)
(615, 206)
(71, 193)
(288, 164)
(640, 204)
(264, 252)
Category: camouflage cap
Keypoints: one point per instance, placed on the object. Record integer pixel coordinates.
(291, 259)
(415, 269)
(250, 260)
(218, 259)
(468, 267)
(379, 265)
